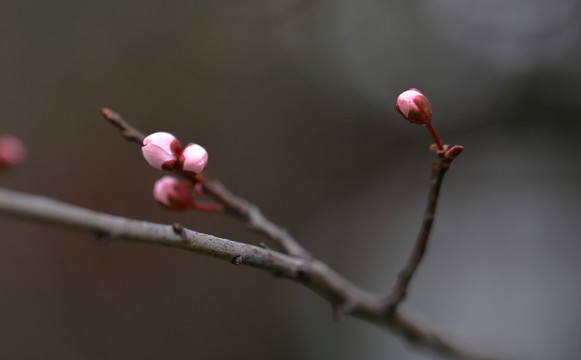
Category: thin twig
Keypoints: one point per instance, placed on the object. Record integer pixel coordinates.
(314, 274)
(439, 169)
(253, 216)
(127, 131)
(234, 204)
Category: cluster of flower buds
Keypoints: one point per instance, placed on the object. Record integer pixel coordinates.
(12, 151)
(163, 151)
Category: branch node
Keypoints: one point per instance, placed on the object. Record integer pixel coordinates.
(103, 237)
(342, 309)
(178, 229)
(237, 260)
(304, 276)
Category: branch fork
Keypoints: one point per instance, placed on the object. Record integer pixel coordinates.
(292, 261)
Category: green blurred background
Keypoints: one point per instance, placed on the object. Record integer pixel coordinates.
(294, 102)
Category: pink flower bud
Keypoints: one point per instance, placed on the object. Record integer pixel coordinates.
(171, 193)
(12, 151)
(414, 106)
(162, 150)
(195, 159)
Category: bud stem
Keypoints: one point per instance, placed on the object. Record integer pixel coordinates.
(209, 207)
(435, 136)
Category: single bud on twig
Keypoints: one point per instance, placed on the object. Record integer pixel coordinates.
(194, 159)
(172, 194)
(12, 151)
(162, 150)
(415, 108)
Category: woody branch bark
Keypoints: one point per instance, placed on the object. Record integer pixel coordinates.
(312, 273)
(439, 169)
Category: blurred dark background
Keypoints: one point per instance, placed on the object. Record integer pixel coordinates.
(294, 102)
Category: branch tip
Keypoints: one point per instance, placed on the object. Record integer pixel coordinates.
(127, 131)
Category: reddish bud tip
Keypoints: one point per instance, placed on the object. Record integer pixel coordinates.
(106, 112)
(454, 151)
(414, 107)
(172, 194)
(12, 151)
(110, 115)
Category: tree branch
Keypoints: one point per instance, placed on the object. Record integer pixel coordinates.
(439, 169)
(343, 296)
(235, 205)
(314, 274)
(253, 216)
